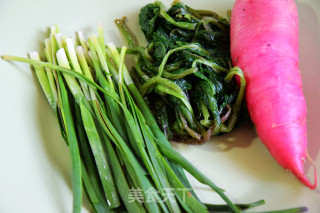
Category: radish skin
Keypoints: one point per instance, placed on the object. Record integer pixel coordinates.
(265, 45)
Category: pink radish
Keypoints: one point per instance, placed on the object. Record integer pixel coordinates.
(265, 45)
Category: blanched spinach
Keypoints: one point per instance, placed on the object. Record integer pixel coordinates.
(191, 50)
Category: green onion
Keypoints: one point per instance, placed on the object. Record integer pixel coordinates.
(115, 144)
(73, 146)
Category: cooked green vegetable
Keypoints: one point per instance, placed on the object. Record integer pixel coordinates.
(183, 70)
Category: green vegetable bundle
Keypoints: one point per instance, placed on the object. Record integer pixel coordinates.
(185, 71)
(118, 153)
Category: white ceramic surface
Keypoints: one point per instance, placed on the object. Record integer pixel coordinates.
(34, 161)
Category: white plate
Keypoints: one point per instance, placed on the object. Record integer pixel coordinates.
(34, 161)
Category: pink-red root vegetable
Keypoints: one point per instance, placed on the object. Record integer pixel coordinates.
(265, 45)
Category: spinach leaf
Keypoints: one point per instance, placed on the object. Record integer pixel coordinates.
(148, 18)
(191, 49)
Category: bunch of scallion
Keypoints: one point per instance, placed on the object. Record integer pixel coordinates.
(120, 158)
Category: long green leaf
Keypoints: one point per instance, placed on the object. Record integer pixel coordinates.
(73, 147)
(90, 175)
(100, 157)
(122, 185)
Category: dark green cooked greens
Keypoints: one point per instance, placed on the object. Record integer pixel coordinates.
(185, 71)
